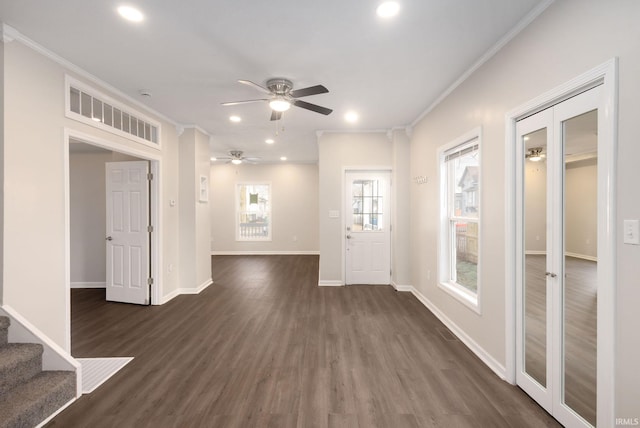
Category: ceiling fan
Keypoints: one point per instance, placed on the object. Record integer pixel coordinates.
(535, 154)
(235, 157)
(282, 96)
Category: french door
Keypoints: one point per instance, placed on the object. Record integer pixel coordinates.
(557, 260)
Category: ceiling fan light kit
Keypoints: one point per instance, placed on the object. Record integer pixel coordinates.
(283, 96)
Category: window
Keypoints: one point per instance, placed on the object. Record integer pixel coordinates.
(253, 212)
(87, 105)
(460, 218)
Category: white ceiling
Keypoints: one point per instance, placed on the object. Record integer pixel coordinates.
(189, 55)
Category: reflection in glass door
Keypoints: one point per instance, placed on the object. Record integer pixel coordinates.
(557, 291)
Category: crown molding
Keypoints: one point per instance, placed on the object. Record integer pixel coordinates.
(517, 29)
(10, 33)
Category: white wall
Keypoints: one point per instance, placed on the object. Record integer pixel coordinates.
(336, 152)
(568, 39)
(195, 258)
(34, 191)
(400, 194)
(2, 110)
(294, 208)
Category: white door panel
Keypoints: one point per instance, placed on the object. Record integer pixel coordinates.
(368, 234)
(127, 236)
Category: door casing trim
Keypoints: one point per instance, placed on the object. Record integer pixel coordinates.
(605, 74)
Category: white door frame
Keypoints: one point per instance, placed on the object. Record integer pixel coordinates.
(155, 200)
(607, 75)
(343, 227)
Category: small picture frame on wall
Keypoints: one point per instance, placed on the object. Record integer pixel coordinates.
(204, 188)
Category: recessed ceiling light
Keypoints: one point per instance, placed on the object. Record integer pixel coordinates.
(269, 141)
(130, 13)
(351, 116)
(235, 119)
(388, 9)
(283, 158)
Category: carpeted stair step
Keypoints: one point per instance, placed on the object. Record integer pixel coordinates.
(35, 400)
(19, 362)
(4, 330)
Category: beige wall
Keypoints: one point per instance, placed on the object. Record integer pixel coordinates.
(34, 176)
(568, 39)
(294, 194)
(337, 152)
(400, 195)
(581, 209)
(87, 213)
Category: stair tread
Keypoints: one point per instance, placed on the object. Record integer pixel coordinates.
(13, 354)
(32, 401)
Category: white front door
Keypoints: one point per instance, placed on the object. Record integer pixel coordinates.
(128, 236)
(368, 231)
(558, 328)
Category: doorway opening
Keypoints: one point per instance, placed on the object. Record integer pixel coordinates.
(91, 271)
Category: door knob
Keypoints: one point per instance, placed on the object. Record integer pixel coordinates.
(348, 236)
(109, 238)
(552, 275)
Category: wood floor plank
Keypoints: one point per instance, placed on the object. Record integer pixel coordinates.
(264, 346)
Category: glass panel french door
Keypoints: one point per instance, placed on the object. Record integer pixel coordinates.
(557, 272)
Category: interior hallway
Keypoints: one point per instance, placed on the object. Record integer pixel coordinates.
(265, 346)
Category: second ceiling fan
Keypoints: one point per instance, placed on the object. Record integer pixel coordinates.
(282, 96)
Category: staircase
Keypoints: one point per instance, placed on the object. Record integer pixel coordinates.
(29, 395)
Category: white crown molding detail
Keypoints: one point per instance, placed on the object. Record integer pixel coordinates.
(353, 131)
(524, 22)
(8, 31)
(197, 128)
(180, 130)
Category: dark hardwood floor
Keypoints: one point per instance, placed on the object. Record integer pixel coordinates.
(265, 346)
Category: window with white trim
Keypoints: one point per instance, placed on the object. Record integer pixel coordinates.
(253, 212)
(460, 218)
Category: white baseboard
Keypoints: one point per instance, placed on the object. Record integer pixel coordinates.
(88, 285)
(484, 356)
(399, 287)
(198, 289)
(581, 256)
(330, 283)
(186, 291)
(265, 253)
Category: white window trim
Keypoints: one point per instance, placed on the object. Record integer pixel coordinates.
(75, 83)
(457, 291)
(269, 238)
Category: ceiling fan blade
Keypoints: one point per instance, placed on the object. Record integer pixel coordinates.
(276, 115)
(312, 107)
(311, 90)
(255, 85)
(233, 103)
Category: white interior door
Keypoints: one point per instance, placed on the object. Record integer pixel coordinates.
(368, 231)
(128, 236)
(557, 315)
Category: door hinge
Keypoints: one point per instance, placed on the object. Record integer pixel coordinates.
(149, 228)
(149, 176)
(149, 281)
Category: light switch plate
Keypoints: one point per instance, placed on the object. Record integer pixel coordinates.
(632, 232)
(334, 214)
